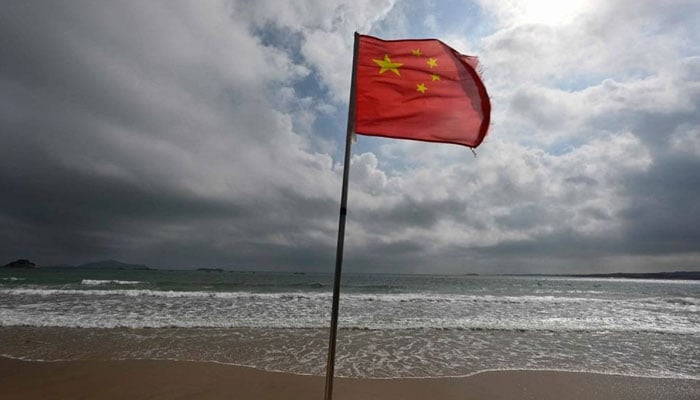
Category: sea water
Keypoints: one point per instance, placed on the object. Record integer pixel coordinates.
(390, 325)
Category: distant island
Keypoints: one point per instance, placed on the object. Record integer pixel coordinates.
(21, 263)
(210, 269)
(677, 275)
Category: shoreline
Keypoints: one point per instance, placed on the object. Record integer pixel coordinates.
(377, 378)
(141, 379)
(409, 354)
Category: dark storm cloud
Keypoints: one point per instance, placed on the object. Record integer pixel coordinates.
(410, 213)
(139, 131)
(664, 215)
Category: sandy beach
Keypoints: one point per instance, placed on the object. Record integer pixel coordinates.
(199, 380)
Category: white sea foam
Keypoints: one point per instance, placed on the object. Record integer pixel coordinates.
(265, 316)
(148, 308)
(97, 282)
(383, 298)
(381, 354)
(160, 293)
(12, 279)
(423, 298)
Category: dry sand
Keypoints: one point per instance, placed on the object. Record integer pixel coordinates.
(199, 380)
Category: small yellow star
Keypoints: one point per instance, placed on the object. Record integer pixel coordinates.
(387, 65)
(432, 62)
(435, 77)
(416, 52)
(421, 87)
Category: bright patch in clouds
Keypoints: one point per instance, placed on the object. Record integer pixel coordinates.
(547, 12)
(552, 12)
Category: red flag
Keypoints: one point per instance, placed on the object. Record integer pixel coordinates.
(421, 90)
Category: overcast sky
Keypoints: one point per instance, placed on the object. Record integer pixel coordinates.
(210, 134)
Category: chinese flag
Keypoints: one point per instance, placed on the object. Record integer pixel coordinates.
(420, 90)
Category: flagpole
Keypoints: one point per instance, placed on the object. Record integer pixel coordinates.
(330, 365)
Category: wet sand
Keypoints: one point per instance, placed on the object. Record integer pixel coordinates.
(137, 379)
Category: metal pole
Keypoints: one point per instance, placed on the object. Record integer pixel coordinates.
(330, 366)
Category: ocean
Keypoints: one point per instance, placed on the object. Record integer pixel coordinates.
(390, 325)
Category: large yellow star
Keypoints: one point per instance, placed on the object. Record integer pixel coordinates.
(421, 87)
(387, 65)
(432, 62)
